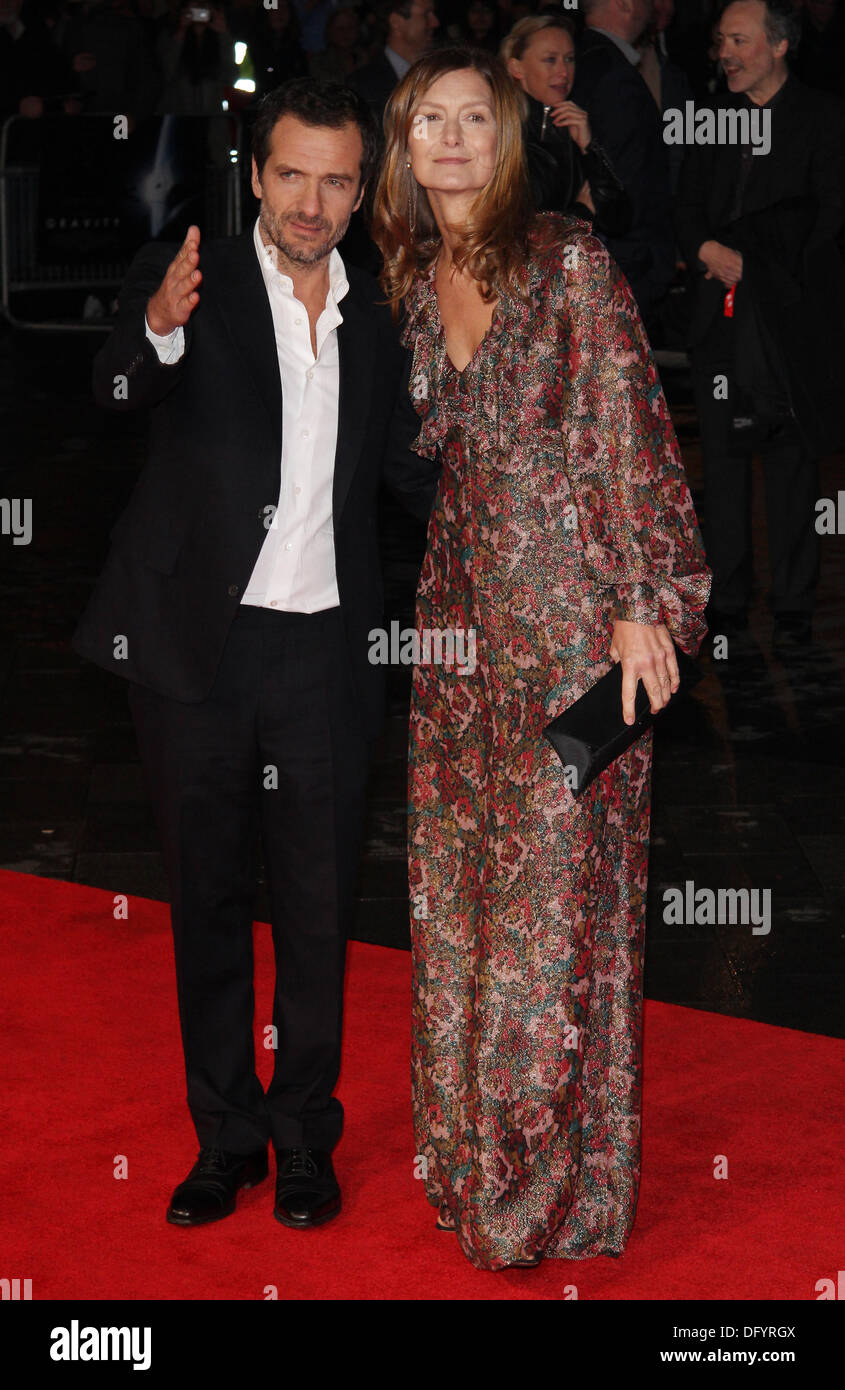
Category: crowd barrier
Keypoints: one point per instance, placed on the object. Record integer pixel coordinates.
(80, 194)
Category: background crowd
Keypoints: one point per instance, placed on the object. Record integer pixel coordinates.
(148, 57)
(686, 224)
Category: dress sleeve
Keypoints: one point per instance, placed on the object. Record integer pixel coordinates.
(634, 507)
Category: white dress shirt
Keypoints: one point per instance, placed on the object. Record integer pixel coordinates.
(399, 64)
(295, 569)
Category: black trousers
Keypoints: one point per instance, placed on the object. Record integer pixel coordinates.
(791, 480)
(276, 751)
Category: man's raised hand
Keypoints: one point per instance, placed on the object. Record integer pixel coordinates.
(176, 297)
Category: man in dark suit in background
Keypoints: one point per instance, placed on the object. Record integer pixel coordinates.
(242, 582)
(667, 82)
(627, 124)
(766, 335)
(408, 27)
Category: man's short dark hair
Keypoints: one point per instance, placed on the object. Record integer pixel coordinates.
(319, 104)
(780, 21)
(383, 9)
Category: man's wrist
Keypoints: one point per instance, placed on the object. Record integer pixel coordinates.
(155, 324)
(169, 347)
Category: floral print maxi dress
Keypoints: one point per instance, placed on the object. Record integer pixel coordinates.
(562, 503)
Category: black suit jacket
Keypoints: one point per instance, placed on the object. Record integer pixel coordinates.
(557, 169)
(183, 550)
(374, 82)
(806, 160)
(626, 123)
(792, 211)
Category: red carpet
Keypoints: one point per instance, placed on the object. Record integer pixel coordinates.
(93, 1070)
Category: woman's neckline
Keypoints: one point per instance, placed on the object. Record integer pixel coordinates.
(459, 371)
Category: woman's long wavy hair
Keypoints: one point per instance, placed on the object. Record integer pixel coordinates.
(495, 242)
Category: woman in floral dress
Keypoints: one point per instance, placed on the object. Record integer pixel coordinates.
(563, 538)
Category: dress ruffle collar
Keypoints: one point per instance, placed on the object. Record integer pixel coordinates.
(490, 407)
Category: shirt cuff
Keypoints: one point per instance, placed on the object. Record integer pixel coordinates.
(638, 603)
(169, 346)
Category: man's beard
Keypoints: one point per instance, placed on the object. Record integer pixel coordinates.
(273, 227)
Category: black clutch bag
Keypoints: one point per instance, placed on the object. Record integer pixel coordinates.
(591, 733)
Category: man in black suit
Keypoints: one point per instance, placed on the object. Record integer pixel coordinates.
(627, 124)
(241, 585)
(667, 82)
(760, 232)
(408, 27)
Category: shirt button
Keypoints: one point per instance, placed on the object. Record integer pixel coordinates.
(297, 322)
(233, 590)
(287, 545)
(305, 434)
(297, 490)
(274, 603)
(309, 375)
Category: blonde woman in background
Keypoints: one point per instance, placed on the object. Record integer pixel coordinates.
(568, 170)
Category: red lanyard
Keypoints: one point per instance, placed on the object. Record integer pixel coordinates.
(729, 303)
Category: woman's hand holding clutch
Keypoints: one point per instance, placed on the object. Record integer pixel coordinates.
(648, 655)
(591, 733)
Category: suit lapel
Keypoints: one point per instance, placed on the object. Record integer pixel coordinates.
(788, 152)
(356, 350)
(243, 303)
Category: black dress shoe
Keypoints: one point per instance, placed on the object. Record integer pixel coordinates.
(210, 1189)
(307, 1191)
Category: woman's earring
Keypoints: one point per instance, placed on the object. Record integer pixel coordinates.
(412, 201)
(412, 207)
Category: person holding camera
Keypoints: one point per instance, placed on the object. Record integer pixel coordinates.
(197, 59)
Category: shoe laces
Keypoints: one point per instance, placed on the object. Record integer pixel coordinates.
(212, 1159)
(301, 1162)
